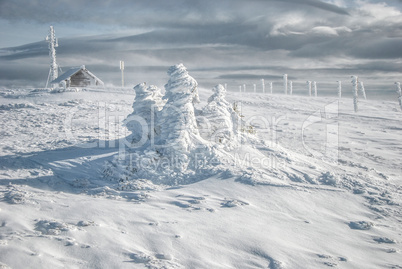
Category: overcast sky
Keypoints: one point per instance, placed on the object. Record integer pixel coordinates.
(230, 41)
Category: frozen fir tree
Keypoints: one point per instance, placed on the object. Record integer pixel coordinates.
(362, 90)
(148, 101)
(218, 120)
(309, 87)
(179, 132)
(399, 91)
(315, 88)
(339, 89)
(355, 82)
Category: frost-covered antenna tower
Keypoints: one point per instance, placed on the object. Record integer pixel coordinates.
(339, 89)
(53, 44)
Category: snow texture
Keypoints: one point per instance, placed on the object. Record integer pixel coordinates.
(267, 200)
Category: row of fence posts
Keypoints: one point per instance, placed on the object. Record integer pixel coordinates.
(357, 86)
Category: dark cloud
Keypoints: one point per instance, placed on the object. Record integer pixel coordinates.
(320, 5)
(231, 39)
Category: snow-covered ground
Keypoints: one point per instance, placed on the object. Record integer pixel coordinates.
(319, 186)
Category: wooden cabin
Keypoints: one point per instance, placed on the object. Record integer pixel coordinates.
(77, 77)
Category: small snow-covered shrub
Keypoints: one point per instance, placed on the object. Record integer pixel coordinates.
(148, 101)
(218, 120)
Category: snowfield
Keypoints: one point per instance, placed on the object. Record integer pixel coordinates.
(316, 186)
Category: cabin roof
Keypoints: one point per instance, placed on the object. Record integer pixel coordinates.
(71, 72)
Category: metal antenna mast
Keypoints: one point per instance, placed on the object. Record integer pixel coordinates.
(53, 44)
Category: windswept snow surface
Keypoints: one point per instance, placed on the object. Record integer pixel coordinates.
(318, 186)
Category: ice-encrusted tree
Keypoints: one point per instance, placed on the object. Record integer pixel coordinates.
(339, 89)
(355, 82)
(255, 88)
(315, 88)
(362, 90)
(308, 82)
(179, 132)
(271, 87)
(285, 83)
(290, 87)
(148, 101)
(399, 91)
(218, 120)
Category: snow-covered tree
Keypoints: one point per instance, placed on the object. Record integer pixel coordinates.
(308, 82)
(255, 88)
(339, 89)
(290, 87)
(285, 83)
(148, 101)
(271, 87)
(355, 82)
(218, 121)
(362, 90)
(399, 91)
(179, 132)
(315, 88)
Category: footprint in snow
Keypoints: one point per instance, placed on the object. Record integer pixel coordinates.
(360, 225)
(233, 203)
(330, 261)
(384, 240)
